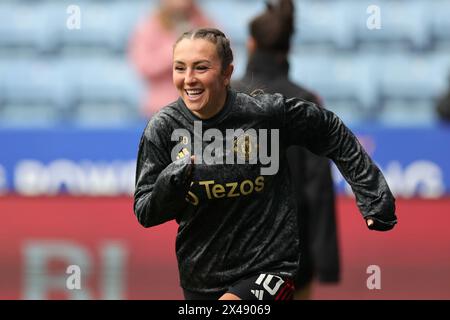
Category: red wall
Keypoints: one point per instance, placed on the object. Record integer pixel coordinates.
(414, 257)
(127, 261)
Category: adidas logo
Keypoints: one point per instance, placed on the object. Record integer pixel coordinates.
(258, 294)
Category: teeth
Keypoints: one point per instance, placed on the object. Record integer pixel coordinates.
(194, 91)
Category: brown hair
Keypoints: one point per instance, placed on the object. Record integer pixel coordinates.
(214, 36)
(272, 30)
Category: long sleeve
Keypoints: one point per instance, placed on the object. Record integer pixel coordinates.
(161, 186)
(323, 133)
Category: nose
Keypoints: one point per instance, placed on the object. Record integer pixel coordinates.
(190, 77)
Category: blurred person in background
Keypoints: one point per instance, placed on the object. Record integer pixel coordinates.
(268, 69)
(443, 105)
(151, 48)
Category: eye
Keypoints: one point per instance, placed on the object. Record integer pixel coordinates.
(202, 68)
(178, 68)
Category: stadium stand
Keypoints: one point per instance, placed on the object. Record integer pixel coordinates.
(33, 93)
(232, 16)
(344, 82)
(106, 26)
(106, 92)
(440, 22)
(50, 74)
(322, 23)
(409, 85)
(25, 26)
(404, 24)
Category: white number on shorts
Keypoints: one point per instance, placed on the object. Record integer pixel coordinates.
(266, 283)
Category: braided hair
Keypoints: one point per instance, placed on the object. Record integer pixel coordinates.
(214, 36)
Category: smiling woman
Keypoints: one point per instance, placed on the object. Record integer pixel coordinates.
(199, 72)
(238, 234)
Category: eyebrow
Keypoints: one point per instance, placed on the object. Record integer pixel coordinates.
(195, 63)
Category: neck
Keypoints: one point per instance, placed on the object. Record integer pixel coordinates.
(268, 63)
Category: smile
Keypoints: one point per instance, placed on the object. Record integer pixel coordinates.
(194, 94)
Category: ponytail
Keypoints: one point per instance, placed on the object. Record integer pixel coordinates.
(272, 30)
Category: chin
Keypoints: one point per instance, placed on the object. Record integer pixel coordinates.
(195, 109)
(194, 106)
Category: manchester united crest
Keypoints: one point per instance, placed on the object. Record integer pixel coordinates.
(246, 147)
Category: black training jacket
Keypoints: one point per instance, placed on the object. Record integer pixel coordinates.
(234, 221)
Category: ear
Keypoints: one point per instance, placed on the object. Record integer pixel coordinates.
(227, 74)
(251, 45)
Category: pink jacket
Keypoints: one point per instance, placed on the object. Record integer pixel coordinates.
(151, 53)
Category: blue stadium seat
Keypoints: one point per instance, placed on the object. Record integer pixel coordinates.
(34, 93)
(26, 26)
(344, 82)
(233, 16)
(440, 20)
(106, 92)
(403, 23)
(411, 83)
(420, 77)
(324, 23)
(408, 113)
(104, 25)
